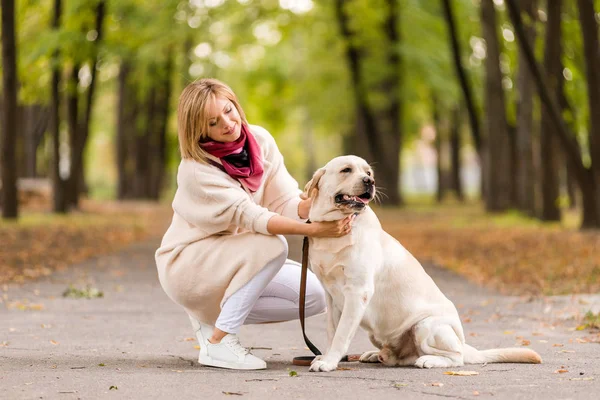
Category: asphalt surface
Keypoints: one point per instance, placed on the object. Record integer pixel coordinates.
(134, 343)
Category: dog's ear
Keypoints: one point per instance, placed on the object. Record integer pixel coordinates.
(313, 184)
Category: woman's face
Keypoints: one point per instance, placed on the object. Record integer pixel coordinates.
(224, 122)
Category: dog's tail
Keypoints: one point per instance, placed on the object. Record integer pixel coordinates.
(507, 355)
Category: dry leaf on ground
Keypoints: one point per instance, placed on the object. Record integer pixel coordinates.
(461, 373)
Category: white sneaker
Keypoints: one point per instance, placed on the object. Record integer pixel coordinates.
(229, 353)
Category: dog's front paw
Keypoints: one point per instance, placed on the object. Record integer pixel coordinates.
(317, 358)
(370, 357)
(323, 365)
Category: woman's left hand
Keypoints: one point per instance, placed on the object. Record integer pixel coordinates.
(304, 208)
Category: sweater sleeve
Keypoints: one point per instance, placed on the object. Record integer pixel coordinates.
(282, 194)
(213, 203)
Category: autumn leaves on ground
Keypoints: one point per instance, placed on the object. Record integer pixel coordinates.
(508, 253)
(41, 242)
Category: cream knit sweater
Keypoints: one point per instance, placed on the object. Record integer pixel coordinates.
(218, 237)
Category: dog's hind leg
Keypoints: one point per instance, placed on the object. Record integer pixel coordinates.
(438, 344)
(372, 356)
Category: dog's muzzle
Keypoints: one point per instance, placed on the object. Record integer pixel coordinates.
(357, 201)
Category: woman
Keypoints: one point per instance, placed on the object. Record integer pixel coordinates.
(223, 258)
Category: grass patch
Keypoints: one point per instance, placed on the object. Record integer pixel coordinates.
(590, 321)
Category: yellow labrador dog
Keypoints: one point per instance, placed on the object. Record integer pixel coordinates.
(374, 282)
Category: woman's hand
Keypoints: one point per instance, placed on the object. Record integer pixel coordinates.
(334, 229)
(304, 207)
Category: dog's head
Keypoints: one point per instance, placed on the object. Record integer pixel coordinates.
(346, 184)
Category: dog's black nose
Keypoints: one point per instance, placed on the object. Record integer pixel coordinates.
(368, 180)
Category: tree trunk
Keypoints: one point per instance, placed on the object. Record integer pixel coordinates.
(496, 128)
(441, 187)
(549, 145)
(74, 132)
(525, 171)
(84, 126)
(10, 128)
(124, 104)
(163, 118)
(144, 140)
(462, 75)
(59, 203)
(37, 118)
(591, 48)
(387, 170)
(455, 145)
(392, 138)
(585, 178)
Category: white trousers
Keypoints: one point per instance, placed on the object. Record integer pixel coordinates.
(272, 295)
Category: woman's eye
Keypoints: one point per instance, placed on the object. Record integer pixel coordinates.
(212, 123)
(228, 110)
(346, 170)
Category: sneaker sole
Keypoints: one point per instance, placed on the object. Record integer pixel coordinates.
(210, 362)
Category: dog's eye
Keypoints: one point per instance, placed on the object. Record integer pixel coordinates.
(346, 170)
(369, 173)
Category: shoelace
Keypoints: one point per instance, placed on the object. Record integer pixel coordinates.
(234, 344)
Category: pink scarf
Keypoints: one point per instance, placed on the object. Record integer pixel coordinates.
(250, 175)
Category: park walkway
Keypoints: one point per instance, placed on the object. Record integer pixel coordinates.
(134, 343)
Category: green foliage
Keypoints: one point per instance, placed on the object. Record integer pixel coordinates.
(286, 64)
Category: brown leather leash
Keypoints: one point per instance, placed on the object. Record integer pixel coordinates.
(306, 360)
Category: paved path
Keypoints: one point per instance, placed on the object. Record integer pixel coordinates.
(135, 340)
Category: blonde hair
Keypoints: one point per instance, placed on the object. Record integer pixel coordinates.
(192, 115)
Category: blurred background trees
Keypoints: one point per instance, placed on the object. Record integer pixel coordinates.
(494, 99)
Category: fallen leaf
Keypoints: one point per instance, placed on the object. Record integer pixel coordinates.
(561, 371)
(438, 384)
(54, 342)
(525, 342)
(567, 351)
(293, 373)
(475, 393)
(113, 388)
(461, 373)
(345, 369)
(588, 378)
(232, 393)
(197, 347)
(557, 345)
(509, 332)
(399, 385)
(189, 339)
